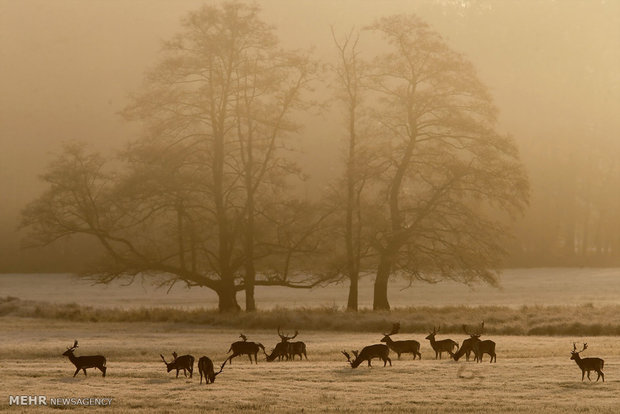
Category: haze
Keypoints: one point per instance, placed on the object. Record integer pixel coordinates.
(67, 68)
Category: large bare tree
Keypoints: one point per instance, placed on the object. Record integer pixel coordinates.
(216, 112)
(448, 166)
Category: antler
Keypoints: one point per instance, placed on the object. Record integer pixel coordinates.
(163, 359)
(574, 351)
(476, 334)
(245, 338)
(221, 368)
(285, 338)
(75, 345)
(395, 329)
(174, 355)
(346, 354)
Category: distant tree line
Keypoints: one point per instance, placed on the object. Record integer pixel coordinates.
(209, 194)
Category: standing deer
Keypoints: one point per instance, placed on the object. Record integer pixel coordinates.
(401, 347)
(245, 348)
(183, 362)
(368, 353)
(205, 367)
(445, 345)
(83, 362)
(588, 364)
(297, 348)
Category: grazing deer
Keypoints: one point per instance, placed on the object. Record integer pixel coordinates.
(245, 348)
(368, 353)
(467, 347)
(83, 362)
(297, 348)
(205, 367)
(183, 362)
(282, 348)
(280, 351)
(401, 347)
(445, 345)
(484, 347)
(588, 364)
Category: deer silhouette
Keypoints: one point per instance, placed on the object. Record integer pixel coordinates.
(587, 364)
(205, 368)
(183, 362)
(83, 362)
(401, 347)
(445, 345)
(244, 347)
(368, 353)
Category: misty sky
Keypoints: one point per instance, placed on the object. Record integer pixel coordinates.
(67, 66)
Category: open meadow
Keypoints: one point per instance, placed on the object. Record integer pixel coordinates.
(533, 320)
(532, 374)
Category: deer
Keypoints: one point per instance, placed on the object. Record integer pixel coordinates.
(245, 348)
(282, 348)
(280, 351)
(205, 367)
(401, 347)
(183, 362)
(467, 346)
(368, 353)
(297, 348)
(445, 345)
(83, 362)
(587, 364)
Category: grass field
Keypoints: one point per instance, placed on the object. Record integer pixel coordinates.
(532, 374)
(132, 325)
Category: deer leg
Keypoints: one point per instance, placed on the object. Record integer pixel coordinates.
(589, 376)
(84, 369)
(583, 374)
(76, 372)
(602, 375)
(103, 369)
(389, 360)
(191, 372)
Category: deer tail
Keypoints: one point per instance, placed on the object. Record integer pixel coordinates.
(229, 349)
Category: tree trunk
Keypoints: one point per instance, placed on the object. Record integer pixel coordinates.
(250, 277)
(380, 301)
(227, 298)
(353, 287)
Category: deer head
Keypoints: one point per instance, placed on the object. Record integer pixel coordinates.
(431, 335)
(575, 353)
(285, 338)
(70, 350)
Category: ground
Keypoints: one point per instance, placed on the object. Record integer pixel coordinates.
(533, 373)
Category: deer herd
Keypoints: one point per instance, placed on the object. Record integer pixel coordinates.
(287, 350)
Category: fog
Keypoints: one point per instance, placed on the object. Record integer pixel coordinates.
(67, 68)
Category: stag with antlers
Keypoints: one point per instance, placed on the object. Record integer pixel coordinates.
(83, 362)
(445, 345)
(244, 347)
(473, 343)
(401, 347)
(587, 364)
(368, 353)
(183, 362)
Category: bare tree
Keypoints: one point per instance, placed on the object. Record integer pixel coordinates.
(447, 164)
(184, 201)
